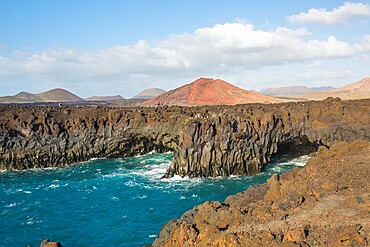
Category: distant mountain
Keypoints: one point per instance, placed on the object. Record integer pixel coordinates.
(282, 91)
(105, 98)
(292, 90)
(54, 95)
(207, 91)
(149, 93)
(323, 88)
(357, 90)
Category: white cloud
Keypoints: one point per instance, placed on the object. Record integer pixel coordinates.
(336, 16)
(364, 46)
(219, 50)
(207, 49)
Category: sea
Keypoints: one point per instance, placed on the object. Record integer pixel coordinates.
(108, 202)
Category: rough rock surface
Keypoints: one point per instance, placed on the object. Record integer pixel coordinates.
(206, 141)
(48, 243)
(327, 203)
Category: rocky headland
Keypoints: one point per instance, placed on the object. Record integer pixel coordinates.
(207, 141)
(327, 203)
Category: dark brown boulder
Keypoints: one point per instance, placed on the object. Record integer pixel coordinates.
(48, 243)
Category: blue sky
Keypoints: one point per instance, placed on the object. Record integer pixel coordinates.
(123, 47)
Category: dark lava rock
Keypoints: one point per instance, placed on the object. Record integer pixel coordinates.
(207, 141)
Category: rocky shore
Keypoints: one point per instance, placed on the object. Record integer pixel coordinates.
(327, 203)
(207, 141)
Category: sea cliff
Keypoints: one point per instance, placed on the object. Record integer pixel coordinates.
(324, 204)
(207, 141)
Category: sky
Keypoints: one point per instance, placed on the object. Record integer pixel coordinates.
(111, 47)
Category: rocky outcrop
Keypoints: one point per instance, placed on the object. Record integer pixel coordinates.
(239, 140)
(36, 137)
(206, 141)
(48, 243)
(326, 203)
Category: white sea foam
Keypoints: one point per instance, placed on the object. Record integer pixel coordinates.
(53, 186)
(131, 184)
(11, 205)
(152, 236)
(114, 198)
(300, 161)
(94, 159)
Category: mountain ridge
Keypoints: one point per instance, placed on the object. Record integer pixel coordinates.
(356, 90)
(53, 95)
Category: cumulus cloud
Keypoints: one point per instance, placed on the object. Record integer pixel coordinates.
(336, 16)
(364, 46)
(221, 49)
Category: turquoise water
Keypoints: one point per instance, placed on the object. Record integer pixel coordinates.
(106, 202)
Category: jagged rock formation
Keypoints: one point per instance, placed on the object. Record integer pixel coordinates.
(34, 137)
(239, 140)
(206, 141)
(48, 243)
(208, 91)
(324, 204)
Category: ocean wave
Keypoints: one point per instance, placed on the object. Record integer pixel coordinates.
(300, 161)
(114, 198)
(53, 186)
(131, 184)
(95, 158)
(10, 205)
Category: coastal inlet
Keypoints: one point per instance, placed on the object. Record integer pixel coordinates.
(207, 141)
(125, 197)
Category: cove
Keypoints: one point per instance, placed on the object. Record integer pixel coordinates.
(118, 202)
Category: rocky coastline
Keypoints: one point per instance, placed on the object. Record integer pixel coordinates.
(207, 141)
(326, 203)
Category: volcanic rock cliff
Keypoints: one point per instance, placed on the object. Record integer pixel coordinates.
(206, 141)
(327, 203)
